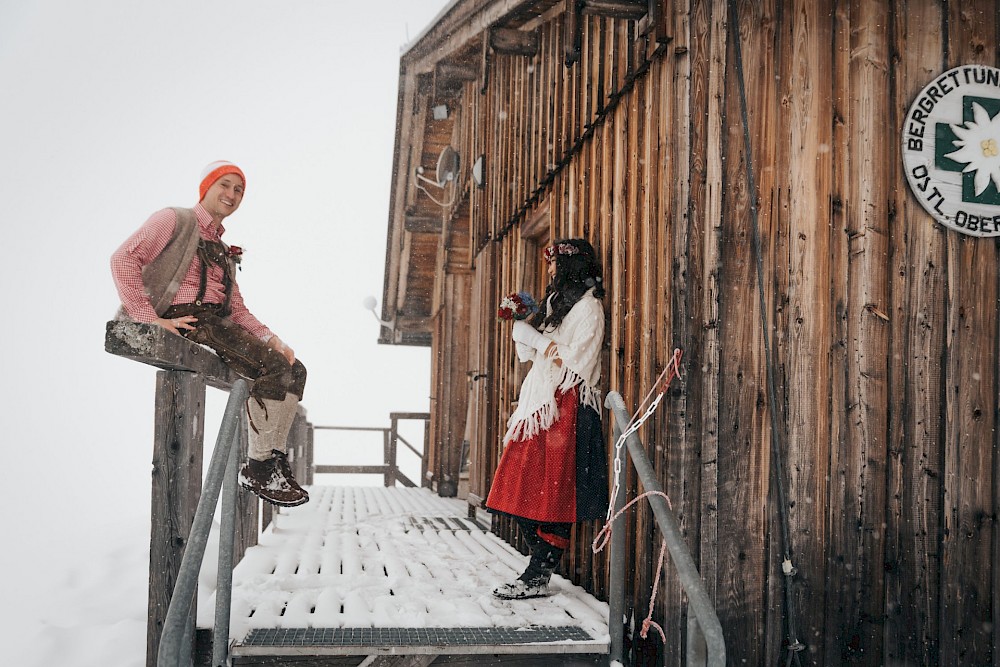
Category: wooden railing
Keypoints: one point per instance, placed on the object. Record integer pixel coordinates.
(176, 641)
(391, 439)
(178, 451)
(178, 446)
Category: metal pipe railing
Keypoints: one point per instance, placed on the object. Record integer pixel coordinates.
(616, 585)
(687, 572)
(175, 642)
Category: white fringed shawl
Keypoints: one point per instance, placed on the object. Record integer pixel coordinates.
(578, 339)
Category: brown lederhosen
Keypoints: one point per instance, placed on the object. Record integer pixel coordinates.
(246, 354)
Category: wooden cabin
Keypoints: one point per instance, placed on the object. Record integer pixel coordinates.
(524, 121)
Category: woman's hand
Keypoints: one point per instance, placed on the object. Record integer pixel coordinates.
(552, 352)
(174, 324)
(279, 346)
(522, 332)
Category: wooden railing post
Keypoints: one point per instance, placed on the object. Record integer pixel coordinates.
(389, 455)
(299, 448)
(391, 439)
(391, 460)
(178, 438)
(310, 454)
(424, 480)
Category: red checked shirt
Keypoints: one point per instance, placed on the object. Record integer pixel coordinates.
(147, 243)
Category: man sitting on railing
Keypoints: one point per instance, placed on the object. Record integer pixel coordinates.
(176, 272)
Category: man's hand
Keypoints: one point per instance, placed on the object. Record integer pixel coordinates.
(279, 346)
(175, 324)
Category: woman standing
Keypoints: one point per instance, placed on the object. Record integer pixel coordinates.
(553, 471)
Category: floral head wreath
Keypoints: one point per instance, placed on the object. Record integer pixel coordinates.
(560, 249)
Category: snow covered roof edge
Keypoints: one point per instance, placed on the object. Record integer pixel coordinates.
(427, 28)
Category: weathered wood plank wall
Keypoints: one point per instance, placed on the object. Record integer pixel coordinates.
(680, 467)
(914, 517)
(883, 324)
(970, 403)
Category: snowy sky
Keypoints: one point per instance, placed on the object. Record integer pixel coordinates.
(109, 109)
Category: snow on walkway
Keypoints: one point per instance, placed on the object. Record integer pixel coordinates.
(357, 557)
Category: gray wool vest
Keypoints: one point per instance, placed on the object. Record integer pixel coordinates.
(162, 277)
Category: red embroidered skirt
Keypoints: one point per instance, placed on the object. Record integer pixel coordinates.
(539, 478)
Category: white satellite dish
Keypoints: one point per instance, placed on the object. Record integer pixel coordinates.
(370, 303)
(447, 166)
(445, 173)
(478, 169)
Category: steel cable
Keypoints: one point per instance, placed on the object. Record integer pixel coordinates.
(777, 469)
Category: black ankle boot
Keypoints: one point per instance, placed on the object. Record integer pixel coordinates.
(534, 581)
(544, 560)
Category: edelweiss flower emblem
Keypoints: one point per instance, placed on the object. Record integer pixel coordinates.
(979, 142)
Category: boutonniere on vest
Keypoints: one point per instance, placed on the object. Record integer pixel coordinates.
(236, 254)
(516, 306)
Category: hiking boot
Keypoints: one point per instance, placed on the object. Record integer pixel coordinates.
(520, 589)
(263, 479)
(285, 470)
(534, 582)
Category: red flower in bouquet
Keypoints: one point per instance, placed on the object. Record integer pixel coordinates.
(235, 253)
(516, 306)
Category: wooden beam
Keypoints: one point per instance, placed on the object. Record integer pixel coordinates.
(654, 24)
(402, 193)
(632, 10)
(485, 65)
(389, 451)
(452, 73)
(154, 345)
(178, 435)
(574, 28)
(422, 224)
(450, 76)
(446, 89)
(352, 470)
(423, 416)
(425, 83)
(475, 502)
(416, 338)
(514, 42)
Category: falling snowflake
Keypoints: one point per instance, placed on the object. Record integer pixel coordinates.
(979, 141)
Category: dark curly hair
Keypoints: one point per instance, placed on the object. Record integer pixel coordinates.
(575, 274)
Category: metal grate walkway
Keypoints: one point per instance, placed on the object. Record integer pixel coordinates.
(418, 641)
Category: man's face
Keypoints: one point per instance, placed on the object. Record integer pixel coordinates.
(224, 196)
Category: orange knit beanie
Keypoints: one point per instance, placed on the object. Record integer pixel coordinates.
(214, 172)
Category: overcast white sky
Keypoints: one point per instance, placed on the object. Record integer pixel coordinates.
(109, 109)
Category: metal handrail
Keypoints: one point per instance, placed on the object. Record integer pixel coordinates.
(175, 642)
(713, 652)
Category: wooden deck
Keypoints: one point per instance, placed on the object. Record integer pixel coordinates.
(390, 572)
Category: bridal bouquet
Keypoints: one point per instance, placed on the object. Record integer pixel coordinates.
(516, 306)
